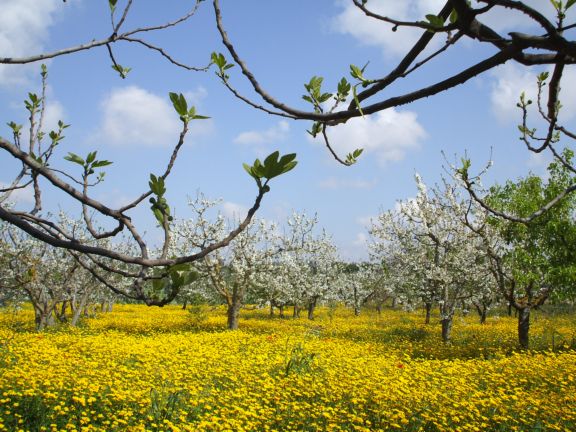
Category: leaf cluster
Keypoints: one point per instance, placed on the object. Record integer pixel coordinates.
(181, 106)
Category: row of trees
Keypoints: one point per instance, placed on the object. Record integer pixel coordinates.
(442, 248)
(438, 249)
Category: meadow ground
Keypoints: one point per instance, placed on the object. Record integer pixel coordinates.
(151, 369)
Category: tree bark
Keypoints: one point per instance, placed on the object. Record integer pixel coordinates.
(233, 314)
(281, 311)
(483, 312)
(296, 313)
(428, 312)
(446, 329)
(524, 326)
(311, 308)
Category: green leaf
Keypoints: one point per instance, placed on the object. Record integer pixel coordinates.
(112, 4)
(569, 4)
(435, 21)
(324, 97)
(544, 75)
(179, 103)
(271, 159)
(249, 170)
(100, 164)
(75, 158)
(91, 157)
(356, 72)
(453, 16)
(343, 89)
(123, 71)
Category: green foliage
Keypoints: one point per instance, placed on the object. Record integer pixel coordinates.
(300, 361)
(344, 88)
(123, 71)
(315, 95)
(273, 166)
(352, 158)
(181, 106)
(112, 4)
(166, 404)
(436, 22)
(463, 170)
(89, 164)
(541, 252)
(159, 205)
(317, 128)
(222, 64)
(172, 279)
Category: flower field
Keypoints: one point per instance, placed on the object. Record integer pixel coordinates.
(151, 369)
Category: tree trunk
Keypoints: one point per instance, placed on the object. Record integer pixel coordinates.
(446, 329)
(281, 311)
(393, 302)
(233, 314)
(482, 311)
(379, 308)
(43, 318)
(271, 308)
(185, 305)
(311, 307)
(524, 326)
(428, 312)
(80, 307)
(296, 313)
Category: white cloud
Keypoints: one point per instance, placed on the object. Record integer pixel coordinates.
(511, 80)
(260, 140)
(135, 116)
(388, 134)
(233, 211)
(54, 112)
(339, 183)
(370, 31)
(23, 30)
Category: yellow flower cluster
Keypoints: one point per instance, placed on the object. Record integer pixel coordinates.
(150, 369)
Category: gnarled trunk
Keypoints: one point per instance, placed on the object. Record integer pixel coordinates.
(483, 312)
(524, 326)
(446, 329)
(233, 314)
(311, 308)
(428, 306)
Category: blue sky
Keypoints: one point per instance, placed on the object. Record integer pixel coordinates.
(131, 122)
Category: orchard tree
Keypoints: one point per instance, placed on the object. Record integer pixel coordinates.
(232, 274)
(360, 283)
(444, 255)
(307, 265)
(539, 260)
